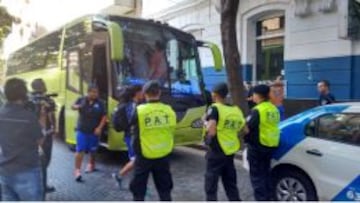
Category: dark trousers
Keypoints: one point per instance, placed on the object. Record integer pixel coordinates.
(221, 167)
(160, 169)
(259, 162)
(46, 158)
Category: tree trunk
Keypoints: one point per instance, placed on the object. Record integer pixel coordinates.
(229, 10)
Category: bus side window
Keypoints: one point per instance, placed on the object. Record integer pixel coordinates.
(73, 79)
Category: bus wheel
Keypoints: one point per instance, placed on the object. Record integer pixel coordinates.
(62, 124)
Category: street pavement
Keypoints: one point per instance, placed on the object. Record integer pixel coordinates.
(187, 166)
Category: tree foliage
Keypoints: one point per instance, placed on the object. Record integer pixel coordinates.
(6, 21)
(229, 9)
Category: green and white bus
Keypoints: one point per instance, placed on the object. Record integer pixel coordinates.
(113, 51)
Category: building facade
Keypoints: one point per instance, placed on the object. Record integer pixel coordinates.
(304, 40)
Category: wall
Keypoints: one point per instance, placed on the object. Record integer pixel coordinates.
(315, 51)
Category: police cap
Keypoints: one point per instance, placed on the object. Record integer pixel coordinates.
(221, 89)
(152, 87)
(262, 90)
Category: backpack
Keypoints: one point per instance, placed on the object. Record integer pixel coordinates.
(120, 120)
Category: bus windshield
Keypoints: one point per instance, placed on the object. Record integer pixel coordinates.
(154, 52)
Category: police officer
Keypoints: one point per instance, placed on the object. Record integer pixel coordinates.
(263, 139)
(154, 125)
(48, 105)
(223, 124)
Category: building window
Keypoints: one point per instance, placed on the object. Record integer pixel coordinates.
(269, 48)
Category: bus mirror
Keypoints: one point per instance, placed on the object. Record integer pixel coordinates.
(116, 41)
(218, 64)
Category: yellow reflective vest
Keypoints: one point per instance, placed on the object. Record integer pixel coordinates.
(231, 121)
(157, 123)
(269, 133)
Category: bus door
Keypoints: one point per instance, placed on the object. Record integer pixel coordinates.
(100, 78)
(74, 89)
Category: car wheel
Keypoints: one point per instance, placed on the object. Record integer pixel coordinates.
(293, 186)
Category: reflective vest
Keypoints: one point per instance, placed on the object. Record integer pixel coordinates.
(269, 133)
(157, 123)
(231, 121)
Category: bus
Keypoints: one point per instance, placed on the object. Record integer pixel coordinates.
(112, 52)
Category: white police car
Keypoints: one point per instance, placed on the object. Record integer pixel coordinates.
(319, 155)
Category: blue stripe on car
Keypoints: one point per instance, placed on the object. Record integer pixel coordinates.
(350, 192)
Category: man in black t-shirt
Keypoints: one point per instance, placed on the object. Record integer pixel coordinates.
(20, 137)
(92, 119)
(325, 96)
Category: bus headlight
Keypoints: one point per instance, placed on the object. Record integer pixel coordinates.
(198, 123)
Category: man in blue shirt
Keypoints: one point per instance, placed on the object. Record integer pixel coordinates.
(92, 119)
(325, 96)
(133, 97)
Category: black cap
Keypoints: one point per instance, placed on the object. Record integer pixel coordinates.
(221, 89)
(262, 90)
(152, 87)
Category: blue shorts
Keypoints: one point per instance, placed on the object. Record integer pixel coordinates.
(131, 153)
(86, 142)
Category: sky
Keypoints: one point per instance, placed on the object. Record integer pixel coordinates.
(54, 13)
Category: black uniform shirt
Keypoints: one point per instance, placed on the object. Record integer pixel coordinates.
(253, 122)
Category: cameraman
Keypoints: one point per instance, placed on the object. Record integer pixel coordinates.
(20, 136)
(42, 101)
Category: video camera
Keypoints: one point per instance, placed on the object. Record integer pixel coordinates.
(37, 101)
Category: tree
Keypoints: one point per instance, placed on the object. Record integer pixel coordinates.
(6, 20)
(228, 13)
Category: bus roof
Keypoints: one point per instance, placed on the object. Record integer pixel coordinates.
(97, 17)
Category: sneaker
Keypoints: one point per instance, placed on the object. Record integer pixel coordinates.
(50, 189)
(118, 179)
(78, 177)
(90, 168)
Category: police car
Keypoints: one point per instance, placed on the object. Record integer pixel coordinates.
(319, 155)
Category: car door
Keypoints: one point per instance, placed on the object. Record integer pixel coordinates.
(333, 147)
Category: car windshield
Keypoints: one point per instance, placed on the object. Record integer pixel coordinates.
(156, 53)
(302, 115)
